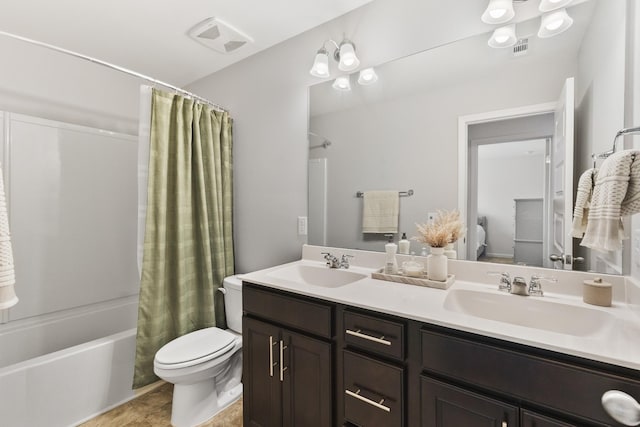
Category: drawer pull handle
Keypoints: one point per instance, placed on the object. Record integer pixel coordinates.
(282, 367)
(359, 334)
(357, 395)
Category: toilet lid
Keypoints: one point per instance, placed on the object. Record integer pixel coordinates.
(211, 342)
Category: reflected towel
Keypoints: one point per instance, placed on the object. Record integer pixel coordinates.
(616, 193)
(583, 201)
(380, 211)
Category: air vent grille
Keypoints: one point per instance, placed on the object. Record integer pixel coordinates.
(521, 47)
(219, 36)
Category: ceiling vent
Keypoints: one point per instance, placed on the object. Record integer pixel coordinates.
(219, 36)
(521, 47)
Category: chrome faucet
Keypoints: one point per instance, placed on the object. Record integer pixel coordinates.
(535, 288)
(505, 280)
(334, 262)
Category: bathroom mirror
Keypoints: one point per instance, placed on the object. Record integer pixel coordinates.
(401, 133)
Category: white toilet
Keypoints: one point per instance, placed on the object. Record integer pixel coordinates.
(205, 366)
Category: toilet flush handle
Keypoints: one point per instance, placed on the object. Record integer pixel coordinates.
(223, 290)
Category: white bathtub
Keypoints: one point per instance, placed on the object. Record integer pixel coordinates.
(65, 368)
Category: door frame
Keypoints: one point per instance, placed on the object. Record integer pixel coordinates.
(463, 151)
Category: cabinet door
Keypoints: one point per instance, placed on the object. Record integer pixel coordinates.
(531, 419)
(307, 385)
(262, 399)
(444, 405)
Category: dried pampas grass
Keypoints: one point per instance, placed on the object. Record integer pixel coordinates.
(446, 228)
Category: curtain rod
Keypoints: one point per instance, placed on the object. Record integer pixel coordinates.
(115, 67)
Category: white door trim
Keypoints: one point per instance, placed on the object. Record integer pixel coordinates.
(463, 148)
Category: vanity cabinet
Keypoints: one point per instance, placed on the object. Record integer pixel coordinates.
(310, 362)
(287, 373)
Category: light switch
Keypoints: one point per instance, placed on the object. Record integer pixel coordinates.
(302, 225)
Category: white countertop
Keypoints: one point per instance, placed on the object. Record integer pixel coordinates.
(618, 344)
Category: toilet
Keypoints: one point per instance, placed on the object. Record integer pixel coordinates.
(205, 366)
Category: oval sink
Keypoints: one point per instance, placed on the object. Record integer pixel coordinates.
(531, 312)
(317, 276)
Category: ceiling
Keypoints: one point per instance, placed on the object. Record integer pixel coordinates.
(150, 36)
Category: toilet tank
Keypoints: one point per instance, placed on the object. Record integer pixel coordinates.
(233, 302)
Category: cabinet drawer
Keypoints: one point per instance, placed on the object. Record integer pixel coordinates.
(562, 387)
(287, 310)
(444, 405)
(531, 419)
(374, 334)
(373, 391)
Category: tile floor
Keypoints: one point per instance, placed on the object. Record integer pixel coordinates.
(153, 409)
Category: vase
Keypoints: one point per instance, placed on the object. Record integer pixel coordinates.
(437, 265)
(450, 252)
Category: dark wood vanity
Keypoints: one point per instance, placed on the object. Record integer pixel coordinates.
(310, 362)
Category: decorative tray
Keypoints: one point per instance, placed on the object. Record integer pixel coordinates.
(410, 280)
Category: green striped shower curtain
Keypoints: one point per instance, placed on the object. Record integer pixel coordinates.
(188, 239)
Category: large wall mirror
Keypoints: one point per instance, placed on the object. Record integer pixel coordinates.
(403, 133)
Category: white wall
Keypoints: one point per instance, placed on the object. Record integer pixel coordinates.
(600, 94)
(47, 84)
(268, 97)
(500, 181)
(633, 115)
(411, 143)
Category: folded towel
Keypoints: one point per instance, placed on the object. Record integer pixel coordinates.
(380, 211)
(616, 193)
(583, 200)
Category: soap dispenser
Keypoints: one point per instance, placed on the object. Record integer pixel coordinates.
(404, 244)
(391, 264)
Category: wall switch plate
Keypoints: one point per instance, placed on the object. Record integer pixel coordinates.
(302, 225)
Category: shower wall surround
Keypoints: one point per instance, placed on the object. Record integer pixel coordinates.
(72, 209)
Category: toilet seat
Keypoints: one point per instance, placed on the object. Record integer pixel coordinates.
(195, 348)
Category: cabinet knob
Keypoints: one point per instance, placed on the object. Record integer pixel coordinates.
(621, 407)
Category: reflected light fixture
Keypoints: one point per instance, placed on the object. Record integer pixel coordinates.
(554, 23)
(320, 66)
(503, 37)
(367, 76)
(498, 12)
(342, 83)
(344, 54)
(549, 5)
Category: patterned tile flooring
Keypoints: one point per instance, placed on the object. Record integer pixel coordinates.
(153, 409)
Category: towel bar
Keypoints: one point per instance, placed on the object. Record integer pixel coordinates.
(402, 193)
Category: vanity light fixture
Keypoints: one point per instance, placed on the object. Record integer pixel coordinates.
(367, 76)
(549, 5)
(498, 12)
(345, 55)
(320, 66)
(342, 83)
(554, 23)
(503, 37)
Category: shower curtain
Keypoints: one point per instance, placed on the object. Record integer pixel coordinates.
(188, 245)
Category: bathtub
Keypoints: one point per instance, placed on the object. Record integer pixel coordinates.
(65, 368)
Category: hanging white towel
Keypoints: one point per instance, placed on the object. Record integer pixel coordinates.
(583, 201)
(616, 193)
(380, 211)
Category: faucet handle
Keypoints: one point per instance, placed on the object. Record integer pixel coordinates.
(535, 286)
(344, 260)
(505, 280)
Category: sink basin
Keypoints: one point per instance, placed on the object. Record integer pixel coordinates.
(531, 312)
(317, 276)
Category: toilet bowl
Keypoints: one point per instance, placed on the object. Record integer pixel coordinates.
(205, 366)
